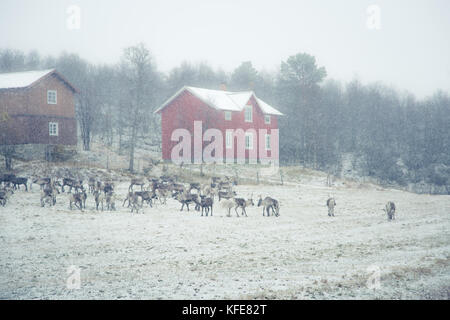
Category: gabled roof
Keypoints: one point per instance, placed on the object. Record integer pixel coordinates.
(16, 80)
(223, 100)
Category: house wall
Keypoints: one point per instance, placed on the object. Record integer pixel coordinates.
(29, 114)
(187, 108)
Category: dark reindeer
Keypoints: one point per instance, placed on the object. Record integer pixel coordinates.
(71, 183)
(17, 181)
(205, 203)
(242, 203)
(186, 199)
(390, 210)
(331, 203)
(5, 194)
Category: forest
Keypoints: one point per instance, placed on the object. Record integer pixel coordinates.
(390, 136)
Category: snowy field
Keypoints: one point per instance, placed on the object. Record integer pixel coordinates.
(168, 254)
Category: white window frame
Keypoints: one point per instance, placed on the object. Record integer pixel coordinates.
(267, 116)
(228, 115)
(48, 96)
(248, 111)
(267, 142)
(53, 129)
(229, 139)
(249, 139)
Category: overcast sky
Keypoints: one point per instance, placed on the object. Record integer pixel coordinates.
(410, 50)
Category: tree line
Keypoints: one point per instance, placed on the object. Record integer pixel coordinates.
(391, 136)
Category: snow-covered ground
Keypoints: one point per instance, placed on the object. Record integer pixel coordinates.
(167, 254)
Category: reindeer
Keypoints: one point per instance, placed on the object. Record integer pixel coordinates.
(99, 197)
(91, 185)
(269, 203)
(194, 185)
(146, 196)
(228, 204)
(390, 210)
(108, 187)
(78, 199)
(54, 183)
(128, 198)
(135, 206)
(7, 178)
(136, 182)
(186, 198)
(72, 183)
(176, 189)
(242, 203)
(42, 182)
(331, 203)
(205, 203)
(162, 194)
(110, 203)
(226, 194)
(48, 195)
(17, 181)
(4, 195)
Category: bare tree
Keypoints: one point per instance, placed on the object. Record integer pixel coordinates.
(137, 71)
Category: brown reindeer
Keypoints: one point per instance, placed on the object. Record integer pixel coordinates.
(78, 199)
(269, 204)
(136, 182)
(99, 198)
(48, 194)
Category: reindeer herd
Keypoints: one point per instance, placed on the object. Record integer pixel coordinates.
(152, 191)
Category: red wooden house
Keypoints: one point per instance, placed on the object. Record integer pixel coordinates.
(37, 110)
(227, 112)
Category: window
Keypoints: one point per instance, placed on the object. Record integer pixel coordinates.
(249, 141)
(53, 128)
(51, 96)
(248, 114)
(229, 139)
(227, 115)
(267, 119)
(267, 141)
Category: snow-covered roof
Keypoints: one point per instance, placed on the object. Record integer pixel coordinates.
(15, 80)
(223, 100)
(21, 79)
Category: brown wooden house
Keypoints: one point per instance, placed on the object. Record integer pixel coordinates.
(37, 110)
